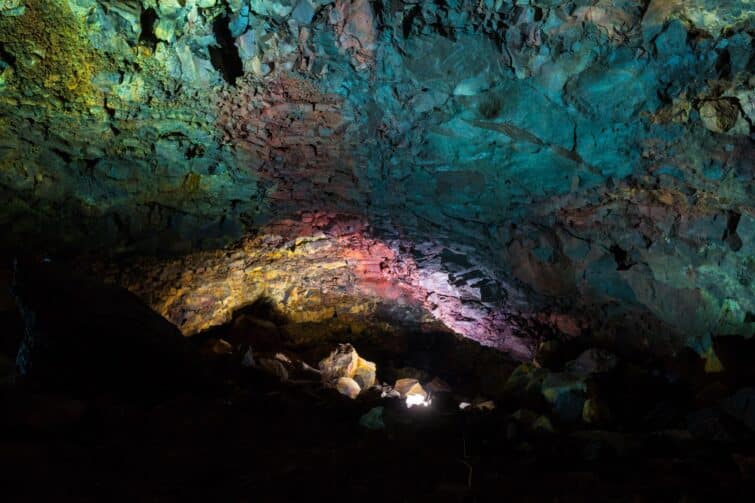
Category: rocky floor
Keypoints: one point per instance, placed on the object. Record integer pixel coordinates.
(578, 423)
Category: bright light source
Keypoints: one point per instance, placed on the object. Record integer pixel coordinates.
(417, 399)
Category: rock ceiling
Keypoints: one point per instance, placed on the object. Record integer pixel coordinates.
(501, 167)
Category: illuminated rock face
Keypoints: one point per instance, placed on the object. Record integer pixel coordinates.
(328, 278)
(503, 168)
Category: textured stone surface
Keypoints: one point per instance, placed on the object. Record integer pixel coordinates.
(326, 276)
(584, 165)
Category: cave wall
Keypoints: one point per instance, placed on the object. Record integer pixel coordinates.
(581, 158)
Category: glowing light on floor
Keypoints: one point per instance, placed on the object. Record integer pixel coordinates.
(417, 400)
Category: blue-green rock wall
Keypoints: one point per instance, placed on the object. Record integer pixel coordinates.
(596, 153)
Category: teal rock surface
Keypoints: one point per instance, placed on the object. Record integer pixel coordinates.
(592, 159)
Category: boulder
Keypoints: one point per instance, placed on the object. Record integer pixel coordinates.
(373, 420)
(85, 337)
(524, 384)
(364, 375)
(409, 386)
(438, 385)
(565, 393)
(344, 362)
(274, 367)
(593, 361)
(348, 386)
(411, 391)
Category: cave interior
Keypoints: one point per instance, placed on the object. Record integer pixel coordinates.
(447, 250)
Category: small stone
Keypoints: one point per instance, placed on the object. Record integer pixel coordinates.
(283, 358)
(486, 405)
(719, 116)
(349, 387)
(220, 347)
(373, 420)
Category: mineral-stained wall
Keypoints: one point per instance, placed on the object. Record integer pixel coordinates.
(593, 157)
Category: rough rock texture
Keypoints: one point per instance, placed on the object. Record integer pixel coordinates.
(558, 161)
(345, 362)
(326, 277)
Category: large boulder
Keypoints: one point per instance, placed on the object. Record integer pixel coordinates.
(84, 337)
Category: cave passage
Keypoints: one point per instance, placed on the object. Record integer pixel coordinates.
(431, 251)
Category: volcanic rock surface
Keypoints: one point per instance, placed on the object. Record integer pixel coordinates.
(576, 166)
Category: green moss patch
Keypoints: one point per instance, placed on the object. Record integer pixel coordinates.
(52, 55)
